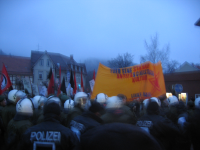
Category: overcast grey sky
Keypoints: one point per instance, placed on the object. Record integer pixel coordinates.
(100, 28)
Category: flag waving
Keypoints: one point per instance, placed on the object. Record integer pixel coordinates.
(82, 81)
(94, 75)
(59, 91)
(4, 80)
(75, 87)
(51, 83)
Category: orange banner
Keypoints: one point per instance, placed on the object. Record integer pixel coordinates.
(140, 81)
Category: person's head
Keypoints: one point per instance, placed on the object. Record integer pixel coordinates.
(172, 101)
(51, 107)
(114, 102)
(55, 99)
(63, 97)
(2, 100)
(38, 101)
(15, 95)
(123, 97)
(101, 98)
(81, 100)
(69, 104)
(25, 107)
(96, 108)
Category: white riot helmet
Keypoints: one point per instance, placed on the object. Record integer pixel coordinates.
(38, 101)
(172, 100)
(69, 104)
(24, 106)
(15, 95)
(114, 102)
(101, 98)
(197, 102)
(145, 103)
(55, 99)
(82, 99)
(154, 99)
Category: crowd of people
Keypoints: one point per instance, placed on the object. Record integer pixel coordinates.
(102, 123)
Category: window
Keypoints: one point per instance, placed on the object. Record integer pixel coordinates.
(40, 74)
(41, 62)
(48, 63)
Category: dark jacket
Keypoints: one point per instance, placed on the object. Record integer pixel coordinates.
(118, 136)
(194, 128)
(162, 129)
(16, 127)
(118, 115)
(49, 133)
(85, 122)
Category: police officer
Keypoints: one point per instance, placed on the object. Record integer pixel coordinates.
(81, 103)
(18, 125)
(68, 106)
(89, 119)
(115, 112)
(38, 102)
(161, 128)
(50, 133)
(10, 109)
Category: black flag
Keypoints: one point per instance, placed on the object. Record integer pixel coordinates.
(71, 80)
(50, 73)
(63, 88)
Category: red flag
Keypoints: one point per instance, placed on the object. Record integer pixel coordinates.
(51, 84)
(75, 87)
(94, 75)
(82, 81)
(4, 80)
(59, 91)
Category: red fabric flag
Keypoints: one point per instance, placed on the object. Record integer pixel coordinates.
(82, 81)
(75, 87)
(94, 75)
(59, 91)
(51, 85)
(4, 80)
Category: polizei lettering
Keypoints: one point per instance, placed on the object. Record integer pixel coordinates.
(144, 124)
(47, 136)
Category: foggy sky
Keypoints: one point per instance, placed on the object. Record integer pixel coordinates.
(100, 28)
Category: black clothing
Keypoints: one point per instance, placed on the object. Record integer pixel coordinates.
(118, 136)
(49, 133)
(162, 129)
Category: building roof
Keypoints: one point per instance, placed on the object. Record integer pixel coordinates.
(63, 60)
(185, 67)
(16, 65)
(198, 22)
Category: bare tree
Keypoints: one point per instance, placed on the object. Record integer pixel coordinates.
(171, 66)
(156, 54)
(121, 61)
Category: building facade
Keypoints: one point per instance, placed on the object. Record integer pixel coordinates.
(37, 68)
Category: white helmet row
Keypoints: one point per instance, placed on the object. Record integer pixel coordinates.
(172, 100)
(69, 104)
(82, 99)
(24, 106)
(197, 102)
(38, 101)
(114, 102)
(16, 95)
